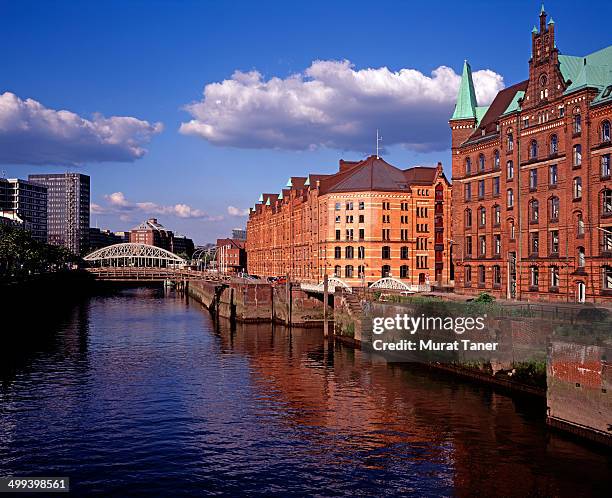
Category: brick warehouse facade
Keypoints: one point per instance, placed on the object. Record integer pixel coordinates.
(532, 207)
(367, 221)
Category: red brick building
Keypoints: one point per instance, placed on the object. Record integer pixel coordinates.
(153, 233)
(231, 255)
(532, 207)
(367, 221)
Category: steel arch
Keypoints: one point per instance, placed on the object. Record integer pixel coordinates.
(130, 253)
(390, 283)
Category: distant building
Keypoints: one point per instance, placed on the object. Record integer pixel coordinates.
(124, 236)
(153, 233)
(231, 255)
(68, 197)
(28, 201)
(10, 218)
(102, 238)
(182, 245)
(239, 233)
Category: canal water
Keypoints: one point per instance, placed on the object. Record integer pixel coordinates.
(138, 393)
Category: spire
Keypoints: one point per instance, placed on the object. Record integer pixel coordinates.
(534, 30)
(466, 99)
(552, 21)
(542, 11)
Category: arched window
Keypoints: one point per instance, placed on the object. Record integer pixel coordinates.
(579, 225)
(577, 121)
(348, 271)
(385, 271)
(481, 162)
(509, 170)
(606, 202)
(534, 276)
(496, 164)
(468, 275)
(605, 131)
(577, 188)
(361, 271)
(510, 140)
(349, 252)
(468, 218)
(512, 229)
(554, 144)
(554, 209)
(361, 252)
(468, 166)
(337, 271)
(510, 198)
(496, 215)
(534, 211)
(577, 153)
(404, 252)
(337, 252)
(533, 149)
(386, 252)
(482, 216)
(404, 271)
(581, 257)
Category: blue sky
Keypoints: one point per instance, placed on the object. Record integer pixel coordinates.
(150, 59)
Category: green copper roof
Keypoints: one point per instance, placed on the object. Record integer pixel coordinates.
(480, 112)
(542, 11)
(280, 196)
(260, 198)
(268, 202)
(289, 183)
(534, 30)
(551, 21)
(307, 182)
(590, 76)
(466, 99)
(591, 71)
(514, 104)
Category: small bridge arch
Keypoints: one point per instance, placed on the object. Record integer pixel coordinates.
(332, 283)
(390, 283)
(132, 254)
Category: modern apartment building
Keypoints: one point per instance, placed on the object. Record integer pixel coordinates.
(68, 198)
(28, 201)
(367, 221)
(532, 203)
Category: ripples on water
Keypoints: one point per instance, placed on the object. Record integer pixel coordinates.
(139, 394)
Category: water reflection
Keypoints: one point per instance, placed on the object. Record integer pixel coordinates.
(139, 393)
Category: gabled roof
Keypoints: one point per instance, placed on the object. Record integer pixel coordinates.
(591, 71)
(466, 98)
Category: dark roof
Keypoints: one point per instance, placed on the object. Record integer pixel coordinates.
(234, 243)
(421, 174)
(500, 103)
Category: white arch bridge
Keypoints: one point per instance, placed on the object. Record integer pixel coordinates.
(386, 283)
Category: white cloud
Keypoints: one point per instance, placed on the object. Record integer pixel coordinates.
(332, 104)
(117, 203)
(31, 133)
(234, 211)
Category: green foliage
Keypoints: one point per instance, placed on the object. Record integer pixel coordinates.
(484, 297)
(20, 254)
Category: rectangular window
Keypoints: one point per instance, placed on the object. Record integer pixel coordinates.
(361, 234)
(468, 191)
(404, 234)
(496, 187)
(481, 275)
(468, 275)
(386, 234)
(605, 166)
(481, 189)
(386, 205)
(534, 243)
(349, 234)
(337, 206)
(554, 242)
(337, 234)
(497, 244)
(482, 245)
(533, 179)
(361, 205)
(361, 218)
(552, 176)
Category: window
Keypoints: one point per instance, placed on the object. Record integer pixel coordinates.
(606, 207)
(361, 205)
(577, 188)
(533, 149)
(534, 276)
(361, 218)
(404, 252)
(510, 141)
(577, 154)
(496, 164)
(510, 198)
(421, 261)
(349, 219)
(361, 271)
(497, 276)
(468, 218)
(581, 257)
(577, 122)
(554, 144)
(533, 179)
(512, 230)
(579, 225)
(496, 186)
(606, 239)
(534, 211)
(361, 252)
(421, 243)
(349, 234)
(386, 234)
(497, 244)
(468, 166)
(385, 271)
(553, 209)
(404, 271)
(481, 189)
(337, 252)
(386, 205)
(554, 241)
(337, 206)
(607, 277)
(386, 252)
(468, 246)
(404, 234)
(349, 252)
(482, 216)
(482, 246)
(348, 271)
(509, 170)
(337, 234)
(386, 218)
(605, 166)
(553, 174)
(361, 233)
(481, 162)
(468, 191)
(496, 215)
(349, 206)
(534, 243)
(481, 275)
(468, 275)
(337, 271)
(605, 131)
(338, 219)
(554, 276)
